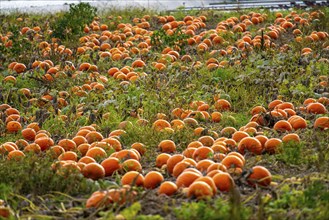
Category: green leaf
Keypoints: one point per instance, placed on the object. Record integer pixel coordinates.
(132, 211)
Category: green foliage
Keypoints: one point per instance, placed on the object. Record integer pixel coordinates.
(160, 39)
(71, 23)
(5, 191)
(300, 89)
(311, 151)
(34, 175)
(301, 203)
(149, 217)
(130, 212)
(220, 210)
(236, 120)
(292, 153)
(19, 46)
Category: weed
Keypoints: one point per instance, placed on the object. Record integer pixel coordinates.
(299, 203)
(218, 209)
(160, 39)
(292, 153)
(70, 25)
(43, 179)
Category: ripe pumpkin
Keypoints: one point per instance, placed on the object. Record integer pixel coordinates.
(168, 188)
(282, 126)
(259, 175)
(29, 134)
(132, 178)
(202, 153)
(97, 199)
(167, 146)
(153, 179)
(223, 181)
(180, 167)
(187, 178)
(291, 137)
(239, 135)
(110, 165)
(131, 165)
(172, 161)
(322, 123)
(316, 108)
(93, 171)
(272, 145)
(232, 161)
(250, 144)
(15, 155)
(13, 126)
(222, 105)
(200, 190)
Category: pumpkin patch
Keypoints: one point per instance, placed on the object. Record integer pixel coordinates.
(135, 114)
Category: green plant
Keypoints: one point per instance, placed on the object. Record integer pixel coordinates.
(292, 153)
(160, 39)
(309, 201)
(71, 23)
(5, 191)
(19, 46)
(43, 180)
(219, 209)
(130, 212)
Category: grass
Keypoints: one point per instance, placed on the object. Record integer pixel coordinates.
(45, 180)
(296, 204)
(300, 181)
(218, 209)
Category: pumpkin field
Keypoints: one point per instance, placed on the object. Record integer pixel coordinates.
(140, 114)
